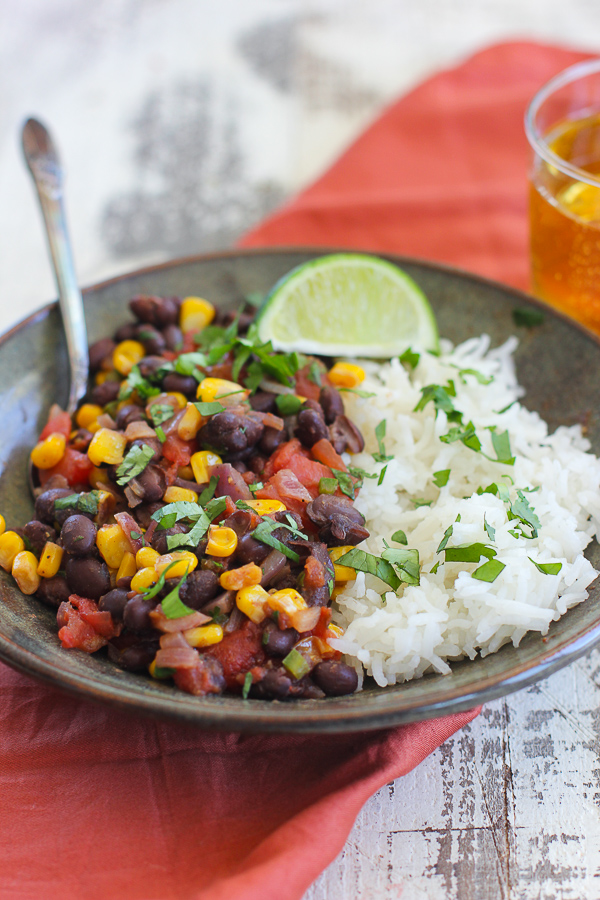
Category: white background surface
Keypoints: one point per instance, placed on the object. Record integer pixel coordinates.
(180, 123)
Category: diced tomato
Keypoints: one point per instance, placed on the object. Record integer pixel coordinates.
(76, 632)
(59, 424)
(323, 452)
(320, 629)
(178, 451)
(315, 575)
(305, 386)
(289, 487)
(308, 472)
(238, 652)
(281, 457)
(101, 622)
(74, 466)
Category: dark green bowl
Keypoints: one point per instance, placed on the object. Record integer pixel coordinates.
(557, 362)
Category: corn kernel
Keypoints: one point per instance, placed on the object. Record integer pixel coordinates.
(50, 560)
(49, 452)
(189, 424)
(98, 477)
(128, 568)
(228, 393)
(236, 579)
(204, 636)
(266, 507)
(87, 414)
(24, 571)
(185, 472)
(112, 544)
(346, 375)
(101, 377)
(179, 397)
(11, 543)
(2, 525)
(334, 631)
(107, 446)
(126, 355)
(174, 494)
(222, 541)
(157, 672)
(338, 589)
(195, 314)
(202, 462)
(342, 573)
(146, 556)
(185, 561)
(287, 601)
(143, 579)
(253, 602)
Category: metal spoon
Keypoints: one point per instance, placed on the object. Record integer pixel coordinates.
(46, 171)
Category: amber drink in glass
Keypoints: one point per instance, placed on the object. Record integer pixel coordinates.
(563, 127)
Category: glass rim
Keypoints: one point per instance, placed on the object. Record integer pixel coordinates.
(537, 141)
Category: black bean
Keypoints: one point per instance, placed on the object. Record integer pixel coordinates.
(99, 351)
(271, 439)
(310, 427)
(240, 521)
(278, 642)
(264, 401)
(331, 403)
(153, 482)
(159, 538)
(228, 432)
(272, 567)
(126, 332)
(320, 596)
(88, 577)
(135, 658)
(114, 602)
(151, 338)
(136, 614)
(53, 591)
(127, 414)
(224, 603)
(323, 507)
(81, 440)
(159, 311)
(275, 685)
(124, 583)
(250, 550)
(105, 393)
(335, 678)
(78, 535)
(199, 588)
(173, 337)
(37, 533)
(345, 436)
(149, 365)
(44, 504)
(185, 384)
(151, 442)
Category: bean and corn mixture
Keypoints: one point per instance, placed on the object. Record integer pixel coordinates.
(190, 518)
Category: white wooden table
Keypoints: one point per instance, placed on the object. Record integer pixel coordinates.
(180, 125)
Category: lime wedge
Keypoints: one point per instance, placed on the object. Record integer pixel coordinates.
(348, 304)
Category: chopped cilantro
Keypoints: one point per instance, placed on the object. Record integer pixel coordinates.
(84, 503)
(188, 363)
(160, 412)
(135, 462)
(399, 537)
(406, 562)
(489, 529)
(547, 568)
(314, 373)
(420, 501)
(160, 434)
(157, 588)
(135, 382)
(382, 475)
(501, 444)
(380, 430)
(345, 482)
(135, 535)
(469, 553)
(209, 409)
(489, 571)
(481, 378)
(527, 317)
(441, 397)
(257, 486)
(435, 568)
(362, 561)
(328, 485)
(209, 491)
(172, 605)
(213, 509)
(360, 474)
(288, 404)
(264, 533)
(465, 434)
(247, 685)
(364, 394)
(440, 479)
(410, 358)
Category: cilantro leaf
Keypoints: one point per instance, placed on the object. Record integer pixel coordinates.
(135, 462)
(447, 535)
(247, 685)
(288, 404)
(328, 485)
(527, 317)
(440, 479)
(172, 605)
(160, 412)
(489, 571)
(441, 397)
(380, 430)
(314, 373)
(84, 502)
(160, 434)
(406, 562)
(469, 553)
(381, 476)
(521, 509)
(362, 561)
(400, 537)
(264, 533)
(209, 491)
(481, 378)
(410, 358)
(135, 382)
(209, 409)
(213, 509)
(465, 434)
(490, 531)
(345, 482)
(547, 568)
(157, 588)
(420, 501)
(501, 444)
(189, 363)
(364, 394)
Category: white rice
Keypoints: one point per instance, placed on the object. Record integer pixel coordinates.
(398, 636)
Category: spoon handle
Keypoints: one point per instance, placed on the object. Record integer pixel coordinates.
(46, 171)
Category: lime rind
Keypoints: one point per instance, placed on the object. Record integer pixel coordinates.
(348, 304)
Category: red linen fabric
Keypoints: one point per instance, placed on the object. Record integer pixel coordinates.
(98, 804)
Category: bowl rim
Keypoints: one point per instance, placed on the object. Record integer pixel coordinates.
(310, 716)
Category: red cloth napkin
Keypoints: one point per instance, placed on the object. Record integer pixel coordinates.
(97, 804)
